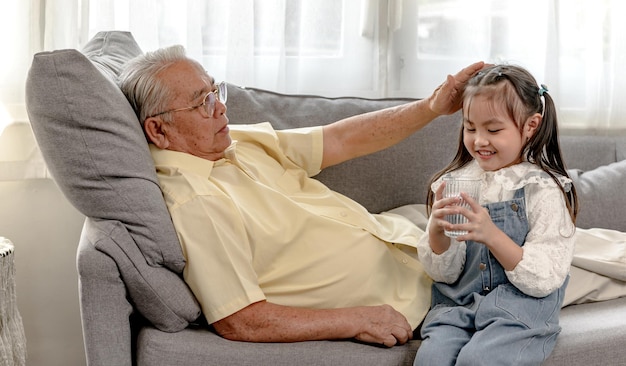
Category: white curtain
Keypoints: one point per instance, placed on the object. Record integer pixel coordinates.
(369, 48)
(19, 156)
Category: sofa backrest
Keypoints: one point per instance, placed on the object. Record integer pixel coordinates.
(399, 175)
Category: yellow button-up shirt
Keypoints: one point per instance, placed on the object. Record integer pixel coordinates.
(255, 226)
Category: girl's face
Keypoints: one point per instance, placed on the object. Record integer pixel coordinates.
(491, 136)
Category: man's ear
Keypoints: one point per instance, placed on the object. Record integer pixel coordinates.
(155, 129)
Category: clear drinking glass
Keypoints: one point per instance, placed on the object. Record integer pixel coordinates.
(454, 187)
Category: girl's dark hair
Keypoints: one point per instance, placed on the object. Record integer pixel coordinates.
(516, 89)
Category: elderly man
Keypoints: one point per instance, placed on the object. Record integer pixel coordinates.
(272, 254)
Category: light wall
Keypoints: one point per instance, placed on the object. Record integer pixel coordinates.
(44, 229)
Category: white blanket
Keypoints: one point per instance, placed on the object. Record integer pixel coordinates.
(602, 251)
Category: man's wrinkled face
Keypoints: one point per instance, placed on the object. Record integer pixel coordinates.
(192, 130)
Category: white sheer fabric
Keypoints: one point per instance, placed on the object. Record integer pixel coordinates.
(369, 48)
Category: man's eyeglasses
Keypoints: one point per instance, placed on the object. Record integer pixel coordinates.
(220, 93)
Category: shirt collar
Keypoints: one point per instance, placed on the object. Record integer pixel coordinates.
(167, 159)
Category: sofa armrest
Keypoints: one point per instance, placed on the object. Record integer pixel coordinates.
(105, 309)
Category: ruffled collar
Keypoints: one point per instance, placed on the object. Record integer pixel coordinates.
(511, 178)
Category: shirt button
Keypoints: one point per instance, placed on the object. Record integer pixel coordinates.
(514, 207)
(405, 261)
(482, 266)
(343, 214)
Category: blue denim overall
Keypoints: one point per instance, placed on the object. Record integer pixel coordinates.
(482, 319)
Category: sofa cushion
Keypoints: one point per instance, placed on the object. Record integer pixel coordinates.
(109, 52)
(159, 293)
(601, 196)
(592, 334)
(96, 151)
(195, 347)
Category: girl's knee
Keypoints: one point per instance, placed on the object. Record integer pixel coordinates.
(435, 354)
(431, 359)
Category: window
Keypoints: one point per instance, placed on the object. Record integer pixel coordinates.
(368, 48)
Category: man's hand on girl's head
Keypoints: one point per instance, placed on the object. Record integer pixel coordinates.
(448, 97)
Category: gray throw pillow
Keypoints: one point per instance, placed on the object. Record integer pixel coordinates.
(95, 149)
(159, 294)
(94, 145)
(601, 196)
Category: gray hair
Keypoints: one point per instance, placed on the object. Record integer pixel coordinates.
(139, 81)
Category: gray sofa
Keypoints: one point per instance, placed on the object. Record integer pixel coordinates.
(135, 308)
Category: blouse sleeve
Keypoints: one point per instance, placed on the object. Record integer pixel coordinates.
(549, 245)
(445, 267)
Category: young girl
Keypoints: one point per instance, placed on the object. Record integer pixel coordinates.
(499, 288)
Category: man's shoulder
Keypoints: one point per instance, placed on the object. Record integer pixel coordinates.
(252, 132)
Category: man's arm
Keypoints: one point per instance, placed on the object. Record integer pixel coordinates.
(267, 322)
(370, 132)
